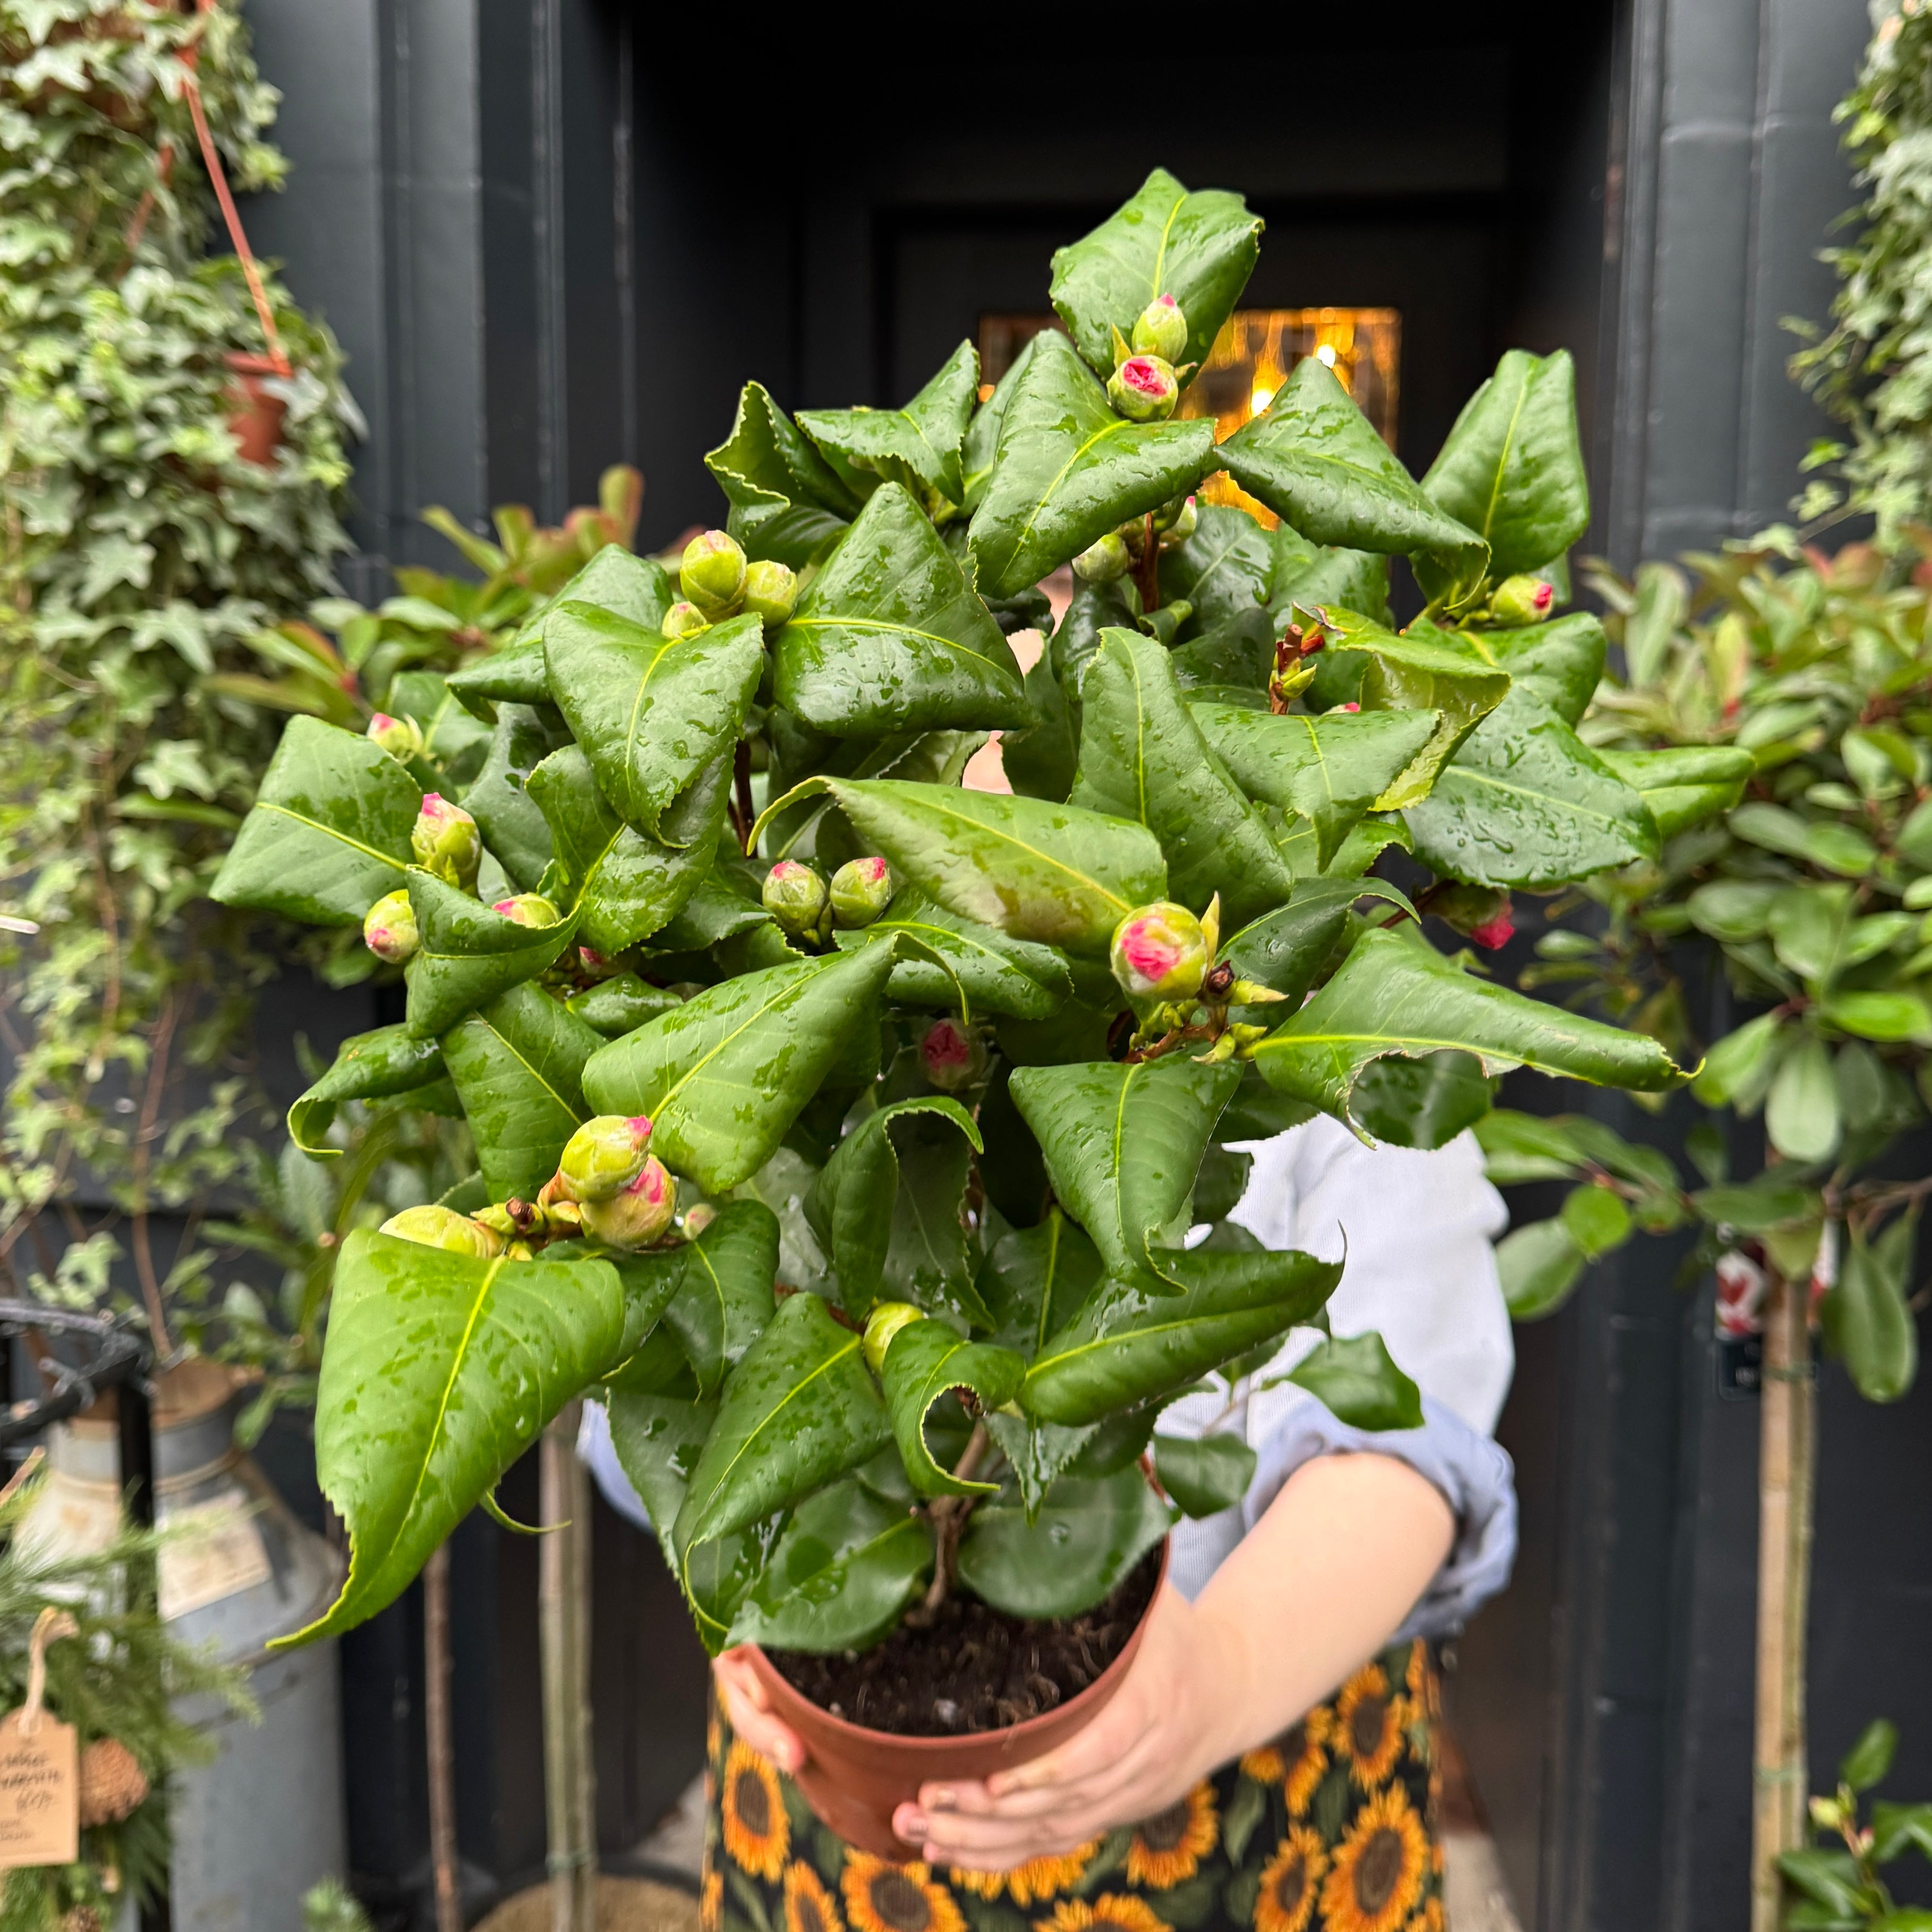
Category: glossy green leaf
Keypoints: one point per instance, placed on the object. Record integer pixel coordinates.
(724, 1296)
(1432, 671)
(1759, 1206)
(977, 453)
(1421, 1103)
(1083, 1545)
(1561, 661)
(1222, 570)
(516, 675)
(625, 884)
(1809, 926)
(917, 446)
(1287, 949)
(1878, 1015)
(1316, 460)
(1057, 873)
(651, 713)
(518, 1066)
(1198, 248)
(1331, 769)
(1525, 802)
(1039, 761)
(1539, 1264)
(723, 1077)
(1311, 575)
(786, 499)
(1035, 1279)
(1230, 664)
(329, 833)
(651, 1278)
(1069, 470)
(1354, 1379)
(1398, 995)
(1869, 1761)
(925, 1360)
(658, 1439)
(1739, 1069)
(1897, 1829)
(1205, 1475)
(439, 1371)
(368, 1066)
(1512, 469)
(469, 953)
(857, 1209)
(1868, 1316)
(997, 972)
(848, 1565)
(799, 1409)
(1143, 757)
(454, 741)
(1684, 784)
(619, 1006)
(1801, 1113)
(890, 636)
(1598, 1219)
(513, 828)
(1122, 1144)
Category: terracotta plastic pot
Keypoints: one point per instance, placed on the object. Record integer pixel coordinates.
(856, 1778)
(256, 422)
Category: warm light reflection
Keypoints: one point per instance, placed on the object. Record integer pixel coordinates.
(1251, 358)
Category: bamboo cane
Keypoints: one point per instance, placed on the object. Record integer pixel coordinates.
(442, 1753)
(563, 1599)
(1787, 1438)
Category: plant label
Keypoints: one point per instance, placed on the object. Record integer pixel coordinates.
(212, 1550)
(40, 1791)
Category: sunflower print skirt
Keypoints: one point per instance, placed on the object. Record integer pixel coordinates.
(1329, 1828)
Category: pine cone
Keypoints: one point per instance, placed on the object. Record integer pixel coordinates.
(112, 1783)
(82, 1918)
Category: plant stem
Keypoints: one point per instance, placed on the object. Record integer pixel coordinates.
(1147, 578)
(442, 1751)
(1786, 1455)
(563, 1609)
(741, 784)
(948, 1515)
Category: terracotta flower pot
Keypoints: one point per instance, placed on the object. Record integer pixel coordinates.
(255, 420)
(856, 1778)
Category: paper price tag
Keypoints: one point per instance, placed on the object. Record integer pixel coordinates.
(39, 1768)
(211, 1551)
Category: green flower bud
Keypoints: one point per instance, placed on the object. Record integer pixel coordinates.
(952, 1057)
(712, 572)
(445, 841)
(1160, 953)
(400, 737)
(528, 909)
(444, 1228)
(886, 1320)
(771, 590)
(602, 1158)
(1180, 526)
(1144, 389)
(638, 1215)
(684, 620)
(1161, 329)
(1522, 600)
(698, 1219)
(795, 895)
(862, 889)
(389, 929)
(1103, 561)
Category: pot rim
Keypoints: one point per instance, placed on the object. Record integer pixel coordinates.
(859, 1734)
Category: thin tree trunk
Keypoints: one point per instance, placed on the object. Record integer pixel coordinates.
(1788, 1429)
(442, 1751)
(563, 1603)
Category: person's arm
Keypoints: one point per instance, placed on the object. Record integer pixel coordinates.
(1313, 1591)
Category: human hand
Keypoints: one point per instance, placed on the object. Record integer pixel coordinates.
(748, 1707)
(1174, 1717)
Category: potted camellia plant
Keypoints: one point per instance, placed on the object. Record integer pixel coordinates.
(864, 1141)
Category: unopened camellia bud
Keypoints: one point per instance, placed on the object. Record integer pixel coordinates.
(684, 620)
(952, 1057)
(1103, 561)
(698, 1219)
(528, 909)
(1161, 329)
(1522, 599)
(771, 590)
(885, 1322)
(862, 889)
(444, 1228)
(389, 929)
(400, 737)
(445, 841)
(1160, 953)
(636, 1216)
(712, 572)
(1144, 388)
(602, 1158)
(1180, 527)
(795, 895)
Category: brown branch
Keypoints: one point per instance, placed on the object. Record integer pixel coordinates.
(948, 1515)
(1146, 577)
(745, 816)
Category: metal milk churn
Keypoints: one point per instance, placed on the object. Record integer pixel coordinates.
(254, 1828)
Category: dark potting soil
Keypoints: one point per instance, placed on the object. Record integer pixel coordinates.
(973, 1668)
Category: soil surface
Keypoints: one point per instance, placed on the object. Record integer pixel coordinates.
(973, 1668)
(623, 1905)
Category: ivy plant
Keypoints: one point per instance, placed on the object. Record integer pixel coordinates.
(867, 1142)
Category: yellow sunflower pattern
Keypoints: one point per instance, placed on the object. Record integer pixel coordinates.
(1327, 1828)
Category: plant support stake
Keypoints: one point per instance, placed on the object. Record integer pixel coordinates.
(563, 1607)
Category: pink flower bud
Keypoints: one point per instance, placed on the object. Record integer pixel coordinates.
(528, 909)
(389, 929)
(1144, 388)
(861, 890)
(602, 1158)
(445, 841)
(1161, 329)
(1160, 953)
(952, 1057)
(1494, 933)
(638, 1215)
(400, 737)
(1522, 600)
